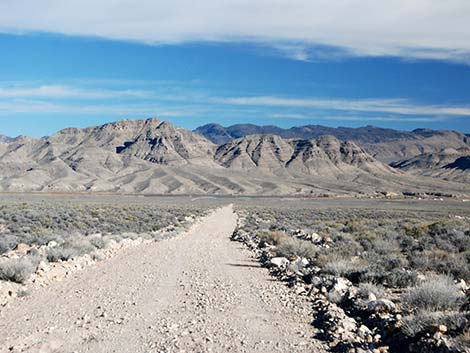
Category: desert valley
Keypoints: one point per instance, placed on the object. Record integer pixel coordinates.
(235, 176)
(131, 228)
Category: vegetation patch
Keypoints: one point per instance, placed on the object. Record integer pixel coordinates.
(404, 276)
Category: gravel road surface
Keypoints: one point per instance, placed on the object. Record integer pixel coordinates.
(198, 292)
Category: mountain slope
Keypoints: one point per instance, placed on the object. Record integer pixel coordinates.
(323, 156)
(154, 157)
(387, 145)
(449, 164)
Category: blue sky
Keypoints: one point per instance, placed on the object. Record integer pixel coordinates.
(59, 73)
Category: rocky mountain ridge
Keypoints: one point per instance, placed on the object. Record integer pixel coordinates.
(154, 157)
(386, 145)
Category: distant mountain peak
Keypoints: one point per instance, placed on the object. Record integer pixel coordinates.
(387, 145)
(4, 138)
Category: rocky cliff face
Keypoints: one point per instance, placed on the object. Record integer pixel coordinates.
(162, 143)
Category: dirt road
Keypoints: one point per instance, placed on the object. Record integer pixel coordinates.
(198, 292)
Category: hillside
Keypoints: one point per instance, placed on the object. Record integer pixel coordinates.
(386, 145)
(449, 164)
(154, 157)
(323, 156)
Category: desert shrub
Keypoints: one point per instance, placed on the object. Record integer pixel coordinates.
(98, 242)
(335, 297)
(69, 250)
(384, 252)
(464, 339)
(40, 223)
(416, 231)
(7, 242)
(393, 246)
(367, 287)
(353, 226)
(426, 322)
(23, 292)
(435, 294)
(273, 238)
(290, 247)
(444, 262)
(399, 278)
(342, 267)
(18, 270)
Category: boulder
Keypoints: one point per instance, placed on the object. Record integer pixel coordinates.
(298, 266)
(341, 285)
(22, 248)
(279, 262)
(339, 290)
(462, 285)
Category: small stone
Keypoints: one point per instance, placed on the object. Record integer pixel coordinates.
(52, 244)
(364, 331)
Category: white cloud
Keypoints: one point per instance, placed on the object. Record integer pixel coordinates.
(22, 106)
(433, 29)
(53, 98)
(61, 92)
(395, 106)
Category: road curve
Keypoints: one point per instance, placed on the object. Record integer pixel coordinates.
(198, 292)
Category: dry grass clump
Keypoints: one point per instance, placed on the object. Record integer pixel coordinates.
(70, 249)
(289, 247)
(342, 267)
(367, 288)
(18, 270)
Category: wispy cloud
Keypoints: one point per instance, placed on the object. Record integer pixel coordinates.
(135, 110)
(395, 106)
(174, 99)
(60, 92)
(426, 29)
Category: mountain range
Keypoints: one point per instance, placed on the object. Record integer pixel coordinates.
(416, 151)
(154, 157)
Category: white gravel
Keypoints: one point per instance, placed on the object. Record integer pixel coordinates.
(198, 292)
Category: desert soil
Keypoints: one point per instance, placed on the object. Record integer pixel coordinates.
(198, 292)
